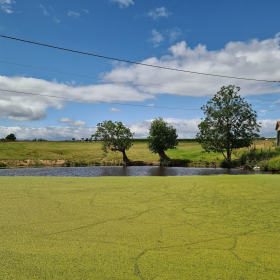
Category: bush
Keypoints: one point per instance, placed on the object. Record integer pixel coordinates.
(166, 162)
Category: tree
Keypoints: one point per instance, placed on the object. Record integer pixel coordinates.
(73, 139)
(230, 123)
(161, 138)
(11, 137)
(115, 137)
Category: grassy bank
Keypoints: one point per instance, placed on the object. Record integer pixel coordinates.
(39, 154)
(224, 227)
(90, 153)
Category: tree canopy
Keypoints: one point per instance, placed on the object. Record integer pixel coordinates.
(115, 137)
(162, 137)
(230, 123)
(11, 137)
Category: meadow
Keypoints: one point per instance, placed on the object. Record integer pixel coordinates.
(217, 227)
(16, 154)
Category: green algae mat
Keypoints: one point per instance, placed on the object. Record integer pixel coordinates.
(218, 227)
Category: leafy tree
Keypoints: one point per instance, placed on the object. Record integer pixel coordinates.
(161, 138)
(115, 137)
(230, 123)
(11, 137)
(82, 139)
(73, 139)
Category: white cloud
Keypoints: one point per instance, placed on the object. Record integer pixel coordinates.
(114, 110)
(86, 11)
(268, 127)
(262, 112)
(123, 3)
(45, 12)
(22, 107)
(150, 105)
(6, 6)
(71, 122)
(73, 14)
(56, 20)
(186, 128)
(159, 12)
(252, 59)
(48, 133)
(156, 39)
(174, 34)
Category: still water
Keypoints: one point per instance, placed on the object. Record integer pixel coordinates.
(99, 171)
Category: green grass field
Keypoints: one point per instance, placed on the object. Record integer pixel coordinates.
(14, 154)
(89, 151)
(217, 227)
(85, 154)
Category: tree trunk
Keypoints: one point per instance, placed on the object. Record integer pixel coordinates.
(229, 158)
(162, 155)
(126, 161)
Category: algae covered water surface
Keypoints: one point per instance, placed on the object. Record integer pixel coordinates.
(224, 227)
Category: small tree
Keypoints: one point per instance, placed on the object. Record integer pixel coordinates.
(11, 137)
(115, 137)
(161, 138)
(230, 123)
(73, 139)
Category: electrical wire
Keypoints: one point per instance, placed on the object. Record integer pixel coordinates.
(89, 77)
(115, 103)
(134, 62)
(111, 81)
(87, 100)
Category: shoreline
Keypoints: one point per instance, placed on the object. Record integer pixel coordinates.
(60, 163)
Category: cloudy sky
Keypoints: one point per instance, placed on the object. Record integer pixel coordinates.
(232, 38)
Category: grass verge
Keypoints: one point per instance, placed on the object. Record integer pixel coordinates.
(40, 154)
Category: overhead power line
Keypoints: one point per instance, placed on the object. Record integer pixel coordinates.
(114, 103)
(111, 81)
(137, 63)
(88, 100)
(94, 78)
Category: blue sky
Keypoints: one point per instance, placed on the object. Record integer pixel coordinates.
(235, 38)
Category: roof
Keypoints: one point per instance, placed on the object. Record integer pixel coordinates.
(277, 126)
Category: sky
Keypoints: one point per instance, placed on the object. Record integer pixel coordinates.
(231, 38)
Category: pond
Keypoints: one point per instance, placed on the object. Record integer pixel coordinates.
(100, 171)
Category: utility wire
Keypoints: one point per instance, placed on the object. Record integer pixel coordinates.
(133, 62)
(87, 100)
(89, 77)
(111, 81)
(115, 103)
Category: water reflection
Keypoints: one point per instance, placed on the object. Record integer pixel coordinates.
(100, 171)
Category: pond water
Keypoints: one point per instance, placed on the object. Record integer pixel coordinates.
(99, 171)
